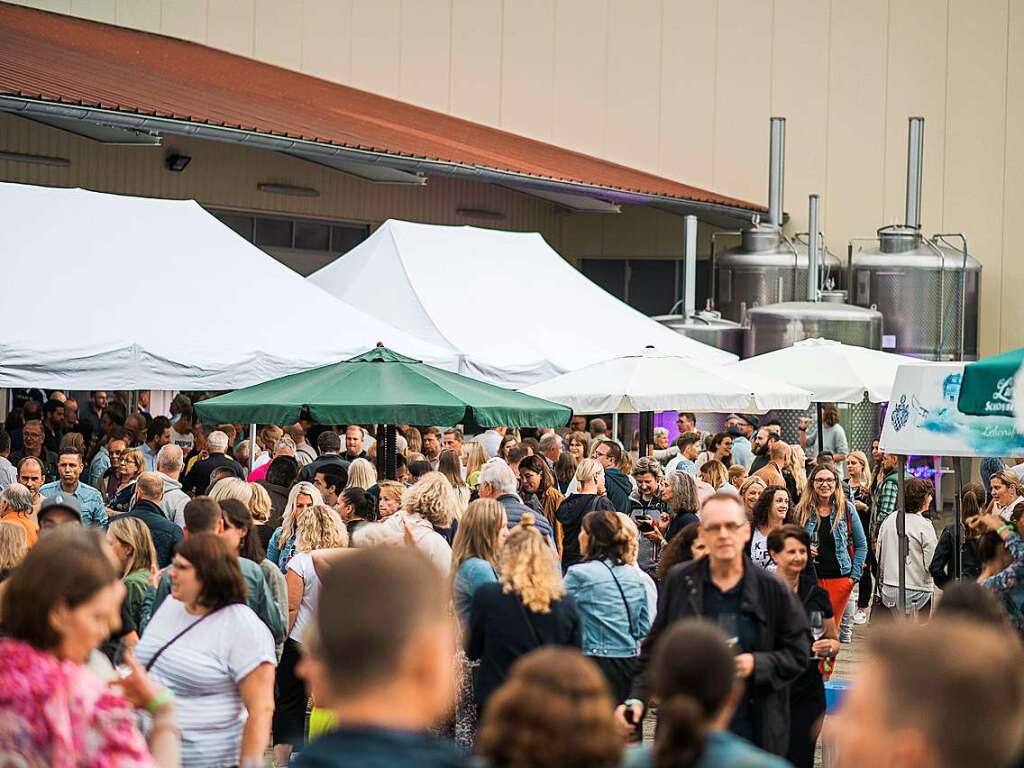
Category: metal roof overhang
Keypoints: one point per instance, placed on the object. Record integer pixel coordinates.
(713, 213)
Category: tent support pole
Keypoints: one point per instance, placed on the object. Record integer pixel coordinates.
(646, 441)
(821, 430)
(901, 530)
(958, 518)
(615, 427)
(252, 447)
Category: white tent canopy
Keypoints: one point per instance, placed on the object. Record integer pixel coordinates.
(832, 371)
(115, 292)
(653, 381)
(462, 288)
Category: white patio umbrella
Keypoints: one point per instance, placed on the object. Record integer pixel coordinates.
(834, 372)
(654, 381)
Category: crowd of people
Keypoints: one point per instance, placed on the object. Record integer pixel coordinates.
(172, 595)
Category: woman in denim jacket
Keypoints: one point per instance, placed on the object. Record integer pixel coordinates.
(611, 599)
(834, 526)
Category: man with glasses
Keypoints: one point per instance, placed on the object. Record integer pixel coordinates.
(760, 614)
(33, 437)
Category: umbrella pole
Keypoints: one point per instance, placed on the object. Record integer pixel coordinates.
(901, 530)
(821, 430)
(252, 447)
(386, 462)
(615, 427)
(646, 434)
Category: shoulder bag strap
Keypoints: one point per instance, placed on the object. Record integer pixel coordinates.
(625, 603)
(169, 643)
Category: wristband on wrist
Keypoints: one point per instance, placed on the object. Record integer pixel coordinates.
(1007, 527)
(631, 702)
(162, 698)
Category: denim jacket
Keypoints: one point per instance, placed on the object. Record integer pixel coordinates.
(842, 538)
(607, 628)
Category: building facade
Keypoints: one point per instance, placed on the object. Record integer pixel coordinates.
(681, 88)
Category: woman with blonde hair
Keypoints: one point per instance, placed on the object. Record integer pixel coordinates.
(302, 496)
(476, 457)
(750, 492)
(481, 534)
(570, 513)
(390, 498)
(525, 610)
(427, 507)
(798, 468)
(361, 474)
(318, 530)
(449, 464)
(714, 473)
(127, 471)
(13, 547)
(1005, 491)
(414, 438)
(132, 544)
(838, 544)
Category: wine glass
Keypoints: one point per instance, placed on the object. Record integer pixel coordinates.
(817, 620)
(729, 624)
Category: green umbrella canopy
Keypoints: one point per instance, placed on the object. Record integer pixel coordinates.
(383, 387)
(987, 387)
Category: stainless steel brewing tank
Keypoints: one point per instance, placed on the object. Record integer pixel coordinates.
(778, 326)
(709, 328)
(765, 269)
(917, 286)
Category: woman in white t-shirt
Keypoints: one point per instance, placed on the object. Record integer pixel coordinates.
(215, 655)
(319, 531)
(770, 512)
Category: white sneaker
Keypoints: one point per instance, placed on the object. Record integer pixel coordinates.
(860, 617)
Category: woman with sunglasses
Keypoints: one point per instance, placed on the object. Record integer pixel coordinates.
(838, 544)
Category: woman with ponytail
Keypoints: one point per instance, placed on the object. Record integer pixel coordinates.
(525, 610)
(611, 598)
(695, 683)
(972, 502)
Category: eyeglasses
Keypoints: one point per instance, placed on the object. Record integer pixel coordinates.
(824, 481)
(719, 527)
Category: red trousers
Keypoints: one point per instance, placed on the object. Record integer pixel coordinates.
(838, 594)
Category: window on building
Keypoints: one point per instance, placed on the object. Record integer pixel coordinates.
(304, 245)
(651, 286)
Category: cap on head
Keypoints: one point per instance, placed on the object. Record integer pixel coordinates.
(60, 501)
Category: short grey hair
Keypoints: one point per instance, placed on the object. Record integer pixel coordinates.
(549, 441)
(171, 458)
(284, 444)
(17, 497)
(660, 432)
(499, 475)
(217, 442)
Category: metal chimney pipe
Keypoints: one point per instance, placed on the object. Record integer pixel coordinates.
(690, 268)
(776, 167)
(812, 248)
(915, 162)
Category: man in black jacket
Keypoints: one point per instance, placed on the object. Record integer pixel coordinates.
(149, 491)
(329, 445)
(198, 478)
(768, 626)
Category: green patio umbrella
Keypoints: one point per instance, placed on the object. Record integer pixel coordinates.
(987, 387)
(383, 387)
